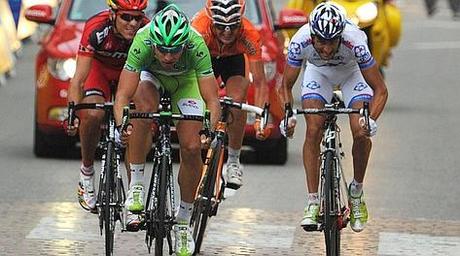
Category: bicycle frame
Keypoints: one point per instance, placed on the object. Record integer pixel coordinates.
(160, 204)
(210, 192)
(334, 211)
(111, 195)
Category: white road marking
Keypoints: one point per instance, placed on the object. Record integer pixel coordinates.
(403, 244)
(248, 234)
(51, 228)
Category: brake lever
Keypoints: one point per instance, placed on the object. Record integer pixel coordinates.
(287, 113)
(125, 119)
(265, 115)
(70, 113)
(366, 114)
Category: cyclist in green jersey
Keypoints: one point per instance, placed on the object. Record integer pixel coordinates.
(167, 55)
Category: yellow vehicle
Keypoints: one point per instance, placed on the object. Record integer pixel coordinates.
(380, 19)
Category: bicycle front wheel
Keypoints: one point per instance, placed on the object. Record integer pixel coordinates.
(109, 211)
(204, 201)
(331, 207)
(160, 214)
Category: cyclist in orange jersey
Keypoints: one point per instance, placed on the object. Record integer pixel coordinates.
(234, 43)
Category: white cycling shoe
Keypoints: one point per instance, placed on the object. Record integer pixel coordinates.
(234, 175)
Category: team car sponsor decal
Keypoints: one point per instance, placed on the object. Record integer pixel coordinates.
(190, 106)
(362, 54)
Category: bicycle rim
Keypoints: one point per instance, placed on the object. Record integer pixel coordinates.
(331, 209)
(109, 217)
(204, 206)
(160, 216)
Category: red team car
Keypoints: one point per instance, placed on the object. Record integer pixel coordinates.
(55, 65)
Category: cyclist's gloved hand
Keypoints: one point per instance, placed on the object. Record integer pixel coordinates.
(121, 137)
(72, 129)
(372, 130)
(261, 134)
(289, 132)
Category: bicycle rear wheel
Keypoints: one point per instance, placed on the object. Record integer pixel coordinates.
(109, 211)
(331, 207)
(203, 204)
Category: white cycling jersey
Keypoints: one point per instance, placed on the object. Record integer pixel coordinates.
(343, 69)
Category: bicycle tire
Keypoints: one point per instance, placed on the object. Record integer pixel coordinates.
(150, 207)
(331, 209)
(109, 216)
(160, 216)
(203, 209)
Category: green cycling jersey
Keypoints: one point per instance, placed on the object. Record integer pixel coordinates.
(195, 57)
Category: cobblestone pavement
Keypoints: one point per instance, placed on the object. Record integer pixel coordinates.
(64, 229)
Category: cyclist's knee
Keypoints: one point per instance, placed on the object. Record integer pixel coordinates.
(93, 116)
(190, 151)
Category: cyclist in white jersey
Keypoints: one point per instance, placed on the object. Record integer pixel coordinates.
(336, 53)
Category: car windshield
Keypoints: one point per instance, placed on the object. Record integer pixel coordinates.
(192, 7)
(83, 9)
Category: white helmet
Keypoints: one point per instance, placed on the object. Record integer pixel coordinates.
(327, 21)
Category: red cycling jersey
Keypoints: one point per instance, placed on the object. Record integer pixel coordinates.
(109, 52)
(248, 41)
(100, 41)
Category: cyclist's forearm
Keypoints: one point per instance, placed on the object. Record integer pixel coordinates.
(261, 94)
(214, 107)
(378, 103)
(75, 91)
(121, 101)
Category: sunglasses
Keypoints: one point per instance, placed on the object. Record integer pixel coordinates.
(172, 50)
(227, 27)
(128, 17)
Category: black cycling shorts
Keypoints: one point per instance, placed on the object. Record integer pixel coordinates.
(226, 67)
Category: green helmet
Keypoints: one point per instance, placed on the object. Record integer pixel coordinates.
(170, 27)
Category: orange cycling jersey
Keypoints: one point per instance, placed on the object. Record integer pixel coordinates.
(247, 42)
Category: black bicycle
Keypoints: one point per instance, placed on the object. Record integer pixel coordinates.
(111, 194)
(334, 209)
(211, 189)
(160, 209)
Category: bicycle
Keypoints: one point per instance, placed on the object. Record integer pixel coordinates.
(160, 209)
(333, 196)
(111, 194)
(210, 192)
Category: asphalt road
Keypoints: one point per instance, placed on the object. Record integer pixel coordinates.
(411, 188)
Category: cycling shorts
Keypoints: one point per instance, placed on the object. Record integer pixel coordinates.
(319, 83)
(229, 66)
(184, 90)
(101, 80)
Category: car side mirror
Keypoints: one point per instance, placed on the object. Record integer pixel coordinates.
(40, 13)
(291, 19)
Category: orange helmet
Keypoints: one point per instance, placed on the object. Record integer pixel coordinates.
(135, 5)
(225, 12)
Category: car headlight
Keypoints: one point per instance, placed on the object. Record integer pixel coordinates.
(270, 70)
(57, 114)
(62, 69)
(367, 12)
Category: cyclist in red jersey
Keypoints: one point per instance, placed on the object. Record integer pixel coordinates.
(234, 43)
(103, 50)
